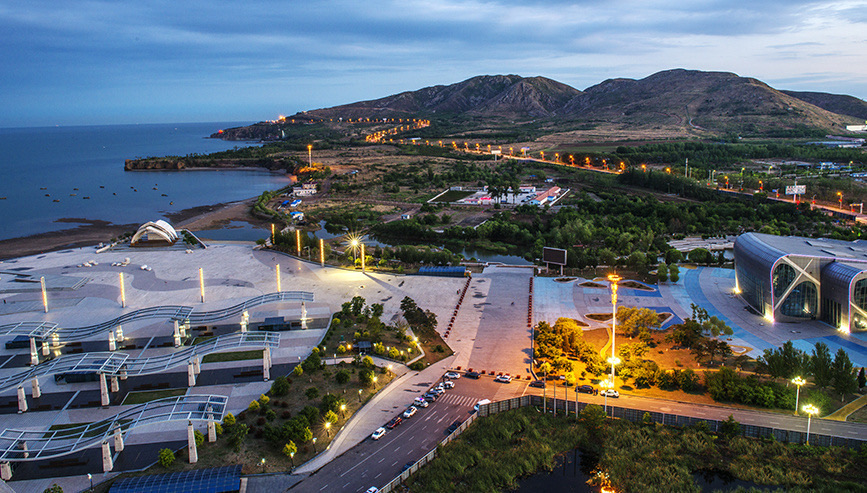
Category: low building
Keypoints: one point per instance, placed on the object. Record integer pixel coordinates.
(155, 233)
(305, 190)
(296, 215)
(790, 278)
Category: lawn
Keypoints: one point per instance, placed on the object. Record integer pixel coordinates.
(233, 356)
(150, 395)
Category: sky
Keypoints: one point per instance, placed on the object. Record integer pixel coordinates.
(109, 62)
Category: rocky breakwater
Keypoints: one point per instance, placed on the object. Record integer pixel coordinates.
(154, 164)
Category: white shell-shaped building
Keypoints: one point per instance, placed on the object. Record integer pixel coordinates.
(155, 233)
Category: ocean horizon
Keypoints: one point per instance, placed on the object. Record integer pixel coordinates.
(61, 172)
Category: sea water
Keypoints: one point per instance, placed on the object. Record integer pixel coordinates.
(41, 165)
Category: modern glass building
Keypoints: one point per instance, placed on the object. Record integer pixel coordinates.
(790, 278)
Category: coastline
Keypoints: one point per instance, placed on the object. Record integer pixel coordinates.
(93, 231)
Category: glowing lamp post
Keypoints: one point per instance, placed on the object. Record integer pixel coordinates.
(342, 410)
(298, 241)
(202, 284)
(362, 257)
(613, 279)
(321, 252)
(310, 154)
(44, 294)
(277, 268)
(328, 428)
(798, 381)
(314, 445)
(840, 194)
(122, 293)
(607, 385)
(359, 395)
(263, 464)
(810, 410)
(374, 383)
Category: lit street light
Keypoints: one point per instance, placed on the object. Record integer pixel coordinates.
(374, 383)
(263, 464)
(292, 458)
(606, 384)
(314, 445)
(328, 428)
(310, 154)
(90, 477)
(359, 395)
(810, 410)
(613, 279)
(342, 409)
(798, 381)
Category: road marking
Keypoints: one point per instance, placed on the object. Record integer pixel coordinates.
(398, 448)
(380, 460)
(378, 475)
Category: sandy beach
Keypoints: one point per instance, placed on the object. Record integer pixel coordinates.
(92, 232)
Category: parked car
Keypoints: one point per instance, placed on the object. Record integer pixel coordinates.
(437, 390)
(453, 375)
(372, 489)
(609, 393)
(454, 426)
(481, 403)
(503, 378)
(430, 397)
(441, 387)
(410, 412)
(378, 433)
(539, 384)
(394, 422)
(420, 402)
(472, 374)
(407, 466)
(449, 384)
(587, 389)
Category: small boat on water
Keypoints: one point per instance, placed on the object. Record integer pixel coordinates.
(43, 188)
(75, 189)
(73, 194)
(57, 200)
(86, 198)
(155, 188)
(102, 186)
(165, 195)
(172, 203)
(48, 195)
(114, 193)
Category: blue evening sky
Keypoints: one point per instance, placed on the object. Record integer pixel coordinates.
(79, 62)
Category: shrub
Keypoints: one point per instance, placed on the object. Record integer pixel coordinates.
(330, 402)
(254, 406)
(342, 377)
(270, 415)
(365, 377)
(285, 415)
(331, 417)
(417, 366)
(290, 449)
(298, 371)
(280, 387)
(312, 393)
(264, 400)
(54, 488)
(199, 438)
(239, 433)
(729, 428)
(229, 420)
(166, 457)
(341, 349)
(218, 429)
(367, 362)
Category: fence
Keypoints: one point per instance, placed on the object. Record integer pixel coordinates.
(634, 415)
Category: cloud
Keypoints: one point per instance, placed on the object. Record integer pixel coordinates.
(124, 59)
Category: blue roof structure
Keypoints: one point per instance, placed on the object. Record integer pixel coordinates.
(445, 271)
(216, 480)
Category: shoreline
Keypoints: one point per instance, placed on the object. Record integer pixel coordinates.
(91, 232)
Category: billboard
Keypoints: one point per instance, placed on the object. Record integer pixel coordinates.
(796, 189)
(555, 256)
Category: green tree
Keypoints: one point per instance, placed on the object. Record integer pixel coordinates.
(229, 420)
(331, 417)
(290, 448)
(673, 272)
(298, 371)
(166, 457)
(365, 377)
(254, 406)
(280, 386)
(662, 272)
(306, 435)
(357, 305)
(700, 256)
(593, 418)
(54, 488)
(729, 428)
(862, 378)
(843, 374)
(199, 437)
(821, 365)
(237, 436)
(630, 320)
(342, 376)
(264, 400)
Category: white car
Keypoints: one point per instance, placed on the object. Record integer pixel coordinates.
(503, 378)
(372, 489)
(410, 412)
(453, 375)
(440, 387)
(609, 393)
(449, 384)
(420, 402)
(378, 433)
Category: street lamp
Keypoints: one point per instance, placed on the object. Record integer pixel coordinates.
(263, 464)
(314, 445)
(840, 194)
(798, 381)
(613, 279)
(342, 409)
(292, 458)
(328, 428)
(359, 395)
(90, 477)
(310, 154)
(606, 384)
(374, 383)
(810, 410)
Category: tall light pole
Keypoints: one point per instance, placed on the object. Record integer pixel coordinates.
(122, 292)
(202, 284)
(798, 381)
(44, 294)
(310, 155)
(277, 269)
(90, 477)
(321, 252)
(810, 410)
(840, 194)
(606, 384)
(613, 279)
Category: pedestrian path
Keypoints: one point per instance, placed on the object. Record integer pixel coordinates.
(844, 412)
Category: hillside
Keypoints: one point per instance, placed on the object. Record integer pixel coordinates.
(835, 103)
(674, 103)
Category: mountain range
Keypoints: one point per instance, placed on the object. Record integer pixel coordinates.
(687, 101)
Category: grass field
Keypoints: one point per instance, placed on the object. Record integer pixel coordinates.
(150, 395)
(233, 356)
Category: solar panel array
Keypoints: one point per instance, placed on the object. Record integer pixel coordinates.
(215, 480)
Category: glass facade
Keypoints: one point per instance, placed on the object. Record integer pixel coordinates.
(801, 302)
(831, 312)
(859, 322)
(859, 294)
(752, 288)
(784, 274)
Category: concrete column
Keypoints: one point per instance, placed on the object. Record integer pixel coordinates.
(103, 390)
(55, 341)
(177, 334)
(118, 439)
(34, 355)
(25, 450)
(119, 335)
(123, 374)
(266, 363)
(45, 349)
(212, 431)
(303, 316)
(191, 374)
(37, 392)
(22, 400)
(197, 367)
(191, 443)
(107, 463)
(112, 346)
(243, 326)
(115, 386)
(5, 471)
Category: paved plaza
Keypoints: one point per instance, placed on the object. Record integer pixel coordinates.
(708, 287)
